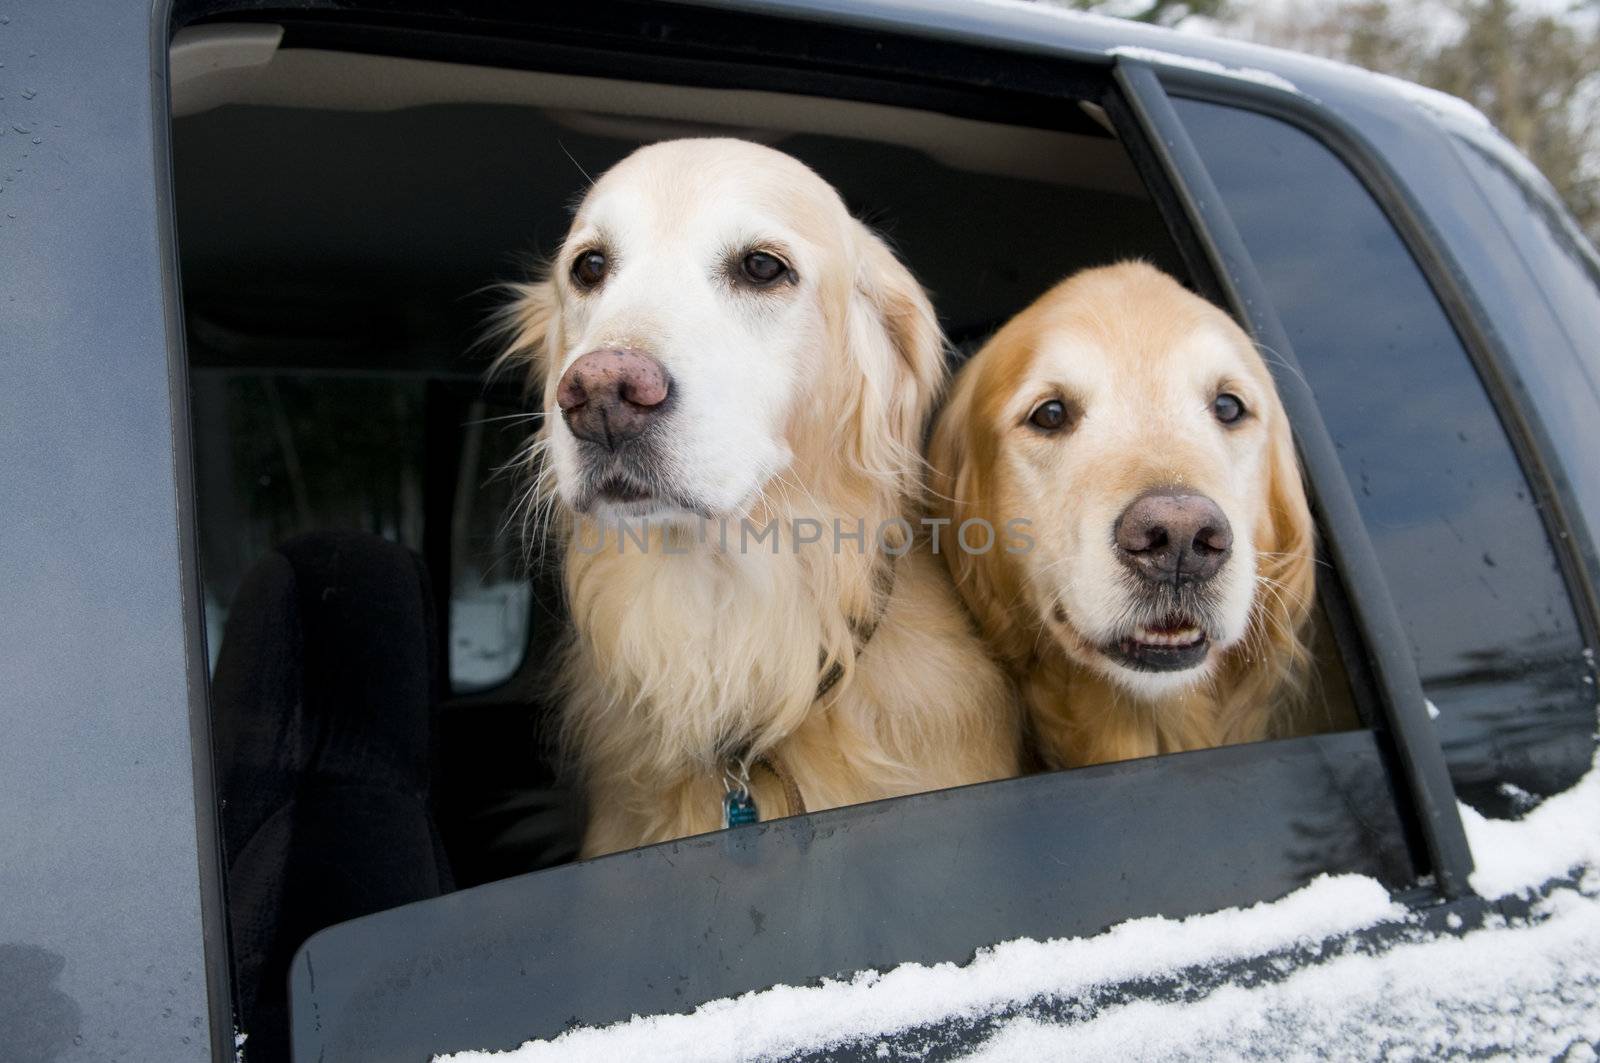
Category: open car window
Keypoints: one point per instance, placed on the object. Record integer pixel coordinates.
(307, 212)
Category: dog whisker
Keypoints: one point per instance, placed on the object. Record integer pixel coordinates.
(575, 162)
(1272, 357)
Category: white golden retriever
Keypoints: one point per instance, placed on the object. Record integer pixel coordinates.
(724, 351)
(1165, 601)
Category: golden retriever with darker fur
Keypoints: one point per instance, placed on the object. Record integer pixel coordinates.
(1163, 599)
(737, 376)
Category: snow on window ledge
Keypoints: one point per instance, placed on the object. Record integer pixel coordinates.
(1530, 986)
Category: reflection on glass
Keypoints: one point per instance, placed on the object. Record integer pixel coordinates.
(278, 454)
(489, 601)
(1448, 509)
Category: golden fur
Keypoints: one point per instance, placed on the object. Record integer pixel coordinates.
(686, 653)
(1143, 359)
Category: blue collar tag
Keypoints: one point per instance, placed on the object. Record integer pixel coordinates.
(738, 808)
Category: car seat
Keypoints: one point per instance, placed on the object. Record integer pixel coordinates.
(323, 722)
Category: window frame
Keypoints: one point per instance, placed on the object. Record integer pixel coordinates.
(221, 1029)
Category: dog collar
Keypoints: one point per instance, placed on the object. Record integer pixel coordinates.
(738, 802)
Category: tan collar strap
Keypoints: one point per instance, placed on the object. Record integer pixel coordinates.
(794, 802)
(882, 591)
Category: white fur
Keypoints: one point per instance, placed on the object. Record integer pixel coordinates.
(738, 361)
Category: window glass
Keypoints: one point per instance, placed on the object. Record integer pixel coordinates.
(490, 598)
(281, 453)
(1447, 506)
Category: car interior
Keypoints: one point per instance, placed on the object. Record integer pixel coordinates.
(380, 615)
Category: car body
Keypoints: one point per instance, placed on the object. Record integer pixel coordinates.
(1463, 565)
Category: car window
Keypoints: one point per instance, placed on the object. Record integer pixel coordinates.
(1446, 504)
(353, 235)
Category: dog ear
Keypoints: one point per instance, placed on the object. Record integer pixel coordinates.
(1292, 550)
(893, 332)
(961, 459)
(524, 330)
(1277, 654)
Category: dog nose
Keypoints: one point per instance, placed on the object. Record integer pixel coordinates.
(1167, 537)
(609, 396)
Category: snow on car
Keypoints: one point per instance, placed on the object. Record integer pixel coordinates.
(1337, 968)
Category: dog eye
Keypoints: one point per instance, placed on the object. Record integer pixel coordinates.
(1228, 408)
(1050, 415)
(760, 268)
(589, 269)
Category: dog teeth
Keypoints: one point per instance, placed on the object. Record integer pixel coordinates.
(1187, 636)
